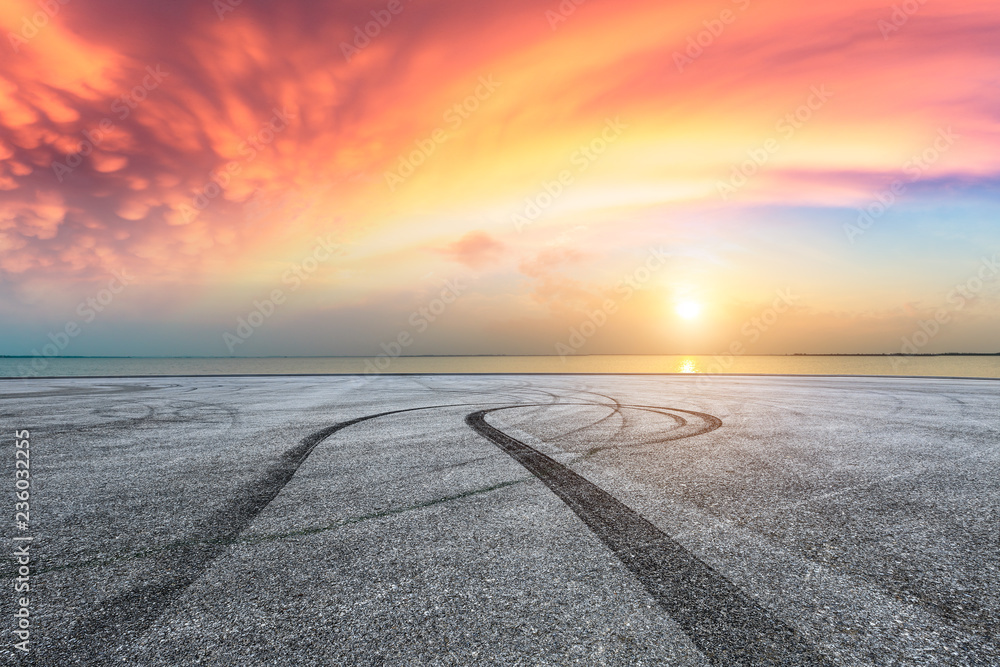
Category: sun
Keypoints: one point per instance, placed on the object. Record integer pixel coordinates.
(689, 309)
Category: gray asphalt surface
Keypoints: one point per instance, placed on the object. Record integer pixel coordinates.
(508, 520)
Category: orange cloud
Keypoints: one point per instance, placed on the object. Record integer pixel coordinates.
(190, 149)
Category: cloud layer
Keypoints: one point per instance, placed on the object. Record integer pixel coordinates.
(203, 147)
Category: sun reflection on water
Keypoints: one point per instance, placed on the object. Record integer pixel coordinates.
(688, 365)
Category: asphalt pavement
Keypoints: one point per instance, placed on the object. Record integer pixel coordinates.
(506, 520)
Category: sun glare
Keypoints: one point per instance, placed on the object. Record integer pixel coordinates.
(689, 309)
(688, 366)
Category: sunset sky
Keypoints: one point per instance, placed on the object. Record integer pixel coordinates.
(488, 178)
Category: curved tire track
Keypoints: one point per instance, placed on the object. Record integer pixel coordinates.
(123, 618)
(725, 624)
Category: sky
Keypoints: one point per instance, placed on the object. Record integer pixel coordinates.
(216, 177)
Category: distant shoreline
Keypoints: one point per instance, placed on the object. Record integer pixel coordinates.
(542, 356)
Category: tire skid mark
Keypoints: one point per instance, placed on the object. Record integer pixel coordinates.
(612, 412)
(616, 410)
(724, 623)
(174, 413)
(623, 427)
(124, 617)
(96, 390)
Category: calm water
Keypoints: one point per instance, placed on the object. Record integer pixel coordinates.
(957, 366)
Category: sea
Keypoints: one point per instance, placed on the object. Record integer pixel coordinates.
(959, 366)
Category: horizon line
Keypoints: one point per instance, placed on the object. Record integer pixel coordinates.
(479, 356)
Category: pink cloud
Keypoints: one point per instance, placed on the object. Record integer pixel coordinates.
(475, 249)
